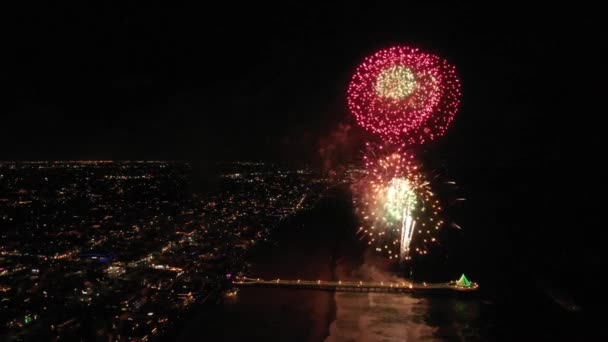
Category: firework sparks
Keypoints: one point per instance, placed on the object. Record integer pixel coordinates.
(396, 82)
(403, 94)
(406, 97)
(396, 203)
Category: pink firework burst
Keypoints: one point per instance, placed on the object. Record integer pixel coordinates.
(403, 94)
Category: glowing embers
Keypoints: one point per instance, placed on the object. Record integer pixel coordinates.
(404, 95)
(398, 209)
(396, 82)
(399, 198)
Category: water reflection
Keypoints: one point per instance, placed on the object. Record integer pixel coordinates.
(380, 317)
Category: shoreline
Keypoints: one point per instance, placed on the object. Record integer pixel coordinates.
(284, 314)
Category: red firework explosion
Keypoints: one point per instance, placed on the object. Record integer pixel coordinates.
(403, 94)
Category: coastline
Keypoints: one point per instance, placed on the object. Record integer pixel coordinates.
(286, 314)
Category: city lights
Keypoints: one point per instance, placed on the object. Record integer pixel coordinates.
(156, 249)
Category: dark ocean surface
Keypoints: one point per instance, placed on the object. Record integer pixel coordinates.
(321, 244)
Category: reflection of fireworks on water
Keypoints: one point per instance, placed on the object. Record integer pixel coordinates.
(403, 94)
(399, 211)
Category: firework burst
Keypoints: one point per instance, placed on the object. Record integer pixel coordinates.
(399, 211)
(404, 95)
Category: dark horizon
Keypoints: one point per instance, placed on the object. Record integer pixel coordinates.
(153, 83)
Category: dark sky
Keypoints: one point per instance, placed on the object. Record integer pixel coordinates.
(268, 82)
(264, 81)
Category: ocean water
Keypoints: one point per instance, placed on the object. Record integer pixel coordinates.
(397, 317)
(380, 317)
(321, 245)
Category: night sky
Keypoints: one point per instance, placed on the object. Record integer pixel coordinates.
(267, 82)
(262, 82)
